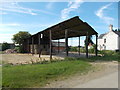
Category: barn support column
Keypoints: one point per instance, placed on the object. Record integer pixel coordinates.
(58, 46)
(87, 45)
(23, 46)
(39, 47)
(32, 46)
(66, 41)
(50, 44)
(96, 50)
(79, 46)
(28, 50)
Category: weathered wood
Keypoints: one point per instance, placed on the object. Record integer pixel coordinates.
(50, 44)
(23, 46)
(39, 47)
(96, 50)
(87, 45)
(28, 46)
(79, 46)
(66, 41)
(58, 46)
(32, 46)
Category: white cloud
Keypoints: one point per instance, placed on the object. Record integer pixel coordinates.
(100, 14)
(3, 13)
(15, 7)
(6, 38)
(72, 6)
(10, 24)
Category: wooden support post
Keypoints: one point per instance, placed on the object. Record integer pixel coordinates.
(28, 46)
(32, 45)
(58, 46)
(50, 44)
(39, 47)
(23, 46)
(96, 50)
(79, 46)
(87, 45)
(66, 41)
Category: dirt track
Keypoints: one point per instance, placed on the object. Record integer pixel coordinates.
(104, 71)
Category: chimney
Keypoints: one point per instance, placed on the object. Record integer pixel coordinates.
(110, 27)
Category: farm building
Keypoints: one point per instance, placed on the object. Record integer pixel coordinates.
(57, 48)
(41, 42)
(109, 40)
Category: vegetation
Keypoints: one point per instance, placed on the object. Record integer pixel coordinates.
(20, 36)
(37, 75)
(42, 73)
(5, 46)
(107, 55)
(73, 49)
(89, 40)
(19, 49)
(82, 49)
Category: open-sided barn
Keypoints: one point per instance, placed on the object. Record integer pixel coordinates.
(74, 27)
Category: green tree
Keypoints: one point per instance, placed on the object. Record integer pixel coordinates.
(89, 40)
(5, 46)
(20, 36)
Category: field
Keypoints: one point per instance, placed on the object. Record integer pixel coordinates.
(38, 75)
(41, 74)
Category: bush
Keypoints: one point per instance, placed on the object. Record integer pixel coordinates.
(74, 49)
(82, 50)
(107, 52)
(5, 46)
(19, 49)
(91, 50)
(108, 55)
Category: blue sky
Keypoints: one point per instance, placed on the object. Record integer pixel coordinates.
(36, 16)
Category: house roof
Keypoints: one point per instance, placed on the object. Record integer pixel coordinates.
(101, 36)
(117, 32)
(75, 26)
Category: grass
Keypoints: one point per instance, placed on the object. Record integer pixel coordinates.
(37, 75)
(107, 56)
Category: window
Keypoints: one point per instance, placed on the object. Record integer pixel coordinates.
(104, 40)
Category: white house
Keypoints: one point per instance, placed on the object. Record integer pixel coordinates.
(110, 40)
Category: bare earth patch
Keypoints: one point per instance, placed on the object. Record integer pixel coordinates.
(18, 58)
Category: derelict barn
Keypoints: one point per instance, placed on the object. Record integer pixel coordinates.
(74, 27)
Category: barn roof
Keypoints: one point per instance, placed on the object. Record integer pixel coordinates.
(75, 26)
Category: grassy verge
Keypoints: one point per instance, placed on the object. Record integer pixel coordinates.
(37, 75)
(107, 56)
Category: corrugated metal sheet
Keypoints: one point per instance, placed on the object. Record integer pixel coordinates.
(75, 27)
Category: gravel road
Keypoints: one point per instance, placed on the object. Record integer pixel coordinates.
(107, 81)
